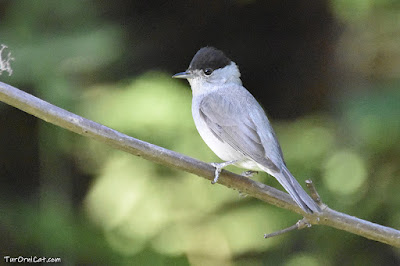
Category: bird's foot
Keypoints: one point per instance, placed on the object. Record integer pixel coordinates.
(242, 194)
(249, 173)
(218, 169)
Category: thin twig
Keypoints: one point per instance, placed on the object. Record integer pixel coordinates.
(88, 128)
(313, 191)
(301, 224)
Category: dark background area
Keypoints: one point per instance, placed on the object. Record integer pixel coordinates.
(327, 73)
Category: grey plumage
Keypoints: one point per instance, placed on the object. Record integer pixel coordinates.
(231, 120)
(233, 124)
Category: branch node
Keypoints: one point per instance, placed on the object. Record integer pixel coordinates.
(301, 224)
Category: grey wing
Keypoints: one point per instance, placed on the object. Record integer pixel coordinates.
(239, 121)
(232, 120)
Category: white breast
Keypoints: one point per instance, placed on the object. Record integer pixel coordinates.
(221, 149)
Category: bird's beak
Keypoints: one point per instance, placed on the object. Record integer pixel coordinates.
(182, 75)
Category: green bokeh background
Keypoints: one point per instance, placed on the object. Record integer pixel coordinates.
(63, 195)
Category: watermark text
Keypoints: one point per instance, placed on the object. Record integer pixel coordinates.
(31, 259)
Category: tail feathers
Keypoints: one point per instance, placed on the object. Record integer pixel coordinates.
(290, 184)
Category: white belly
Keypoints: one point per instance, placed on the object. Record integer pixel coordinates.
(223, 150)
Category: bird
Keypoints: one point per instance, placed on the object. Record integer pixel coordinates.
(234, 125)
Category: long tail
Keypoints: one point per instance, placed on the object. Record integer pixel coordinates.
(290, 184)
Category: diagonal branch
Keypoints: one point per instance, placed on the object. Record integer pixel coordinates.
(148, 151)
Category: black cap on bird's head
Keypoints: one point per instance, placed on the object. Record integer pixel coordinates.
(207, 59)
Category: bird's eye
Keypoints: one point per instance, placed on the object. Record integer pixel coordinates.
(208, 71)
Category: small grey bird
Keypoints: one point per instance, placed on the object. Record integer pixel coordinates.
(234, 125)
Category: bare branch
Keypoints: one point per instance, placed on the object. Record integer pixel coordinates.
(85, 127)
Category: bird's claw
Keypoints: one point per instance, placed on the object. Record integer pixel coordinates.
(249, 173)
(242, 194)
(218, 170)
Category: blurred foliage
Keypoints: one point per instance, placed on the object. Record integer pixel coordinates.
(369, 44)
(93, 204)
